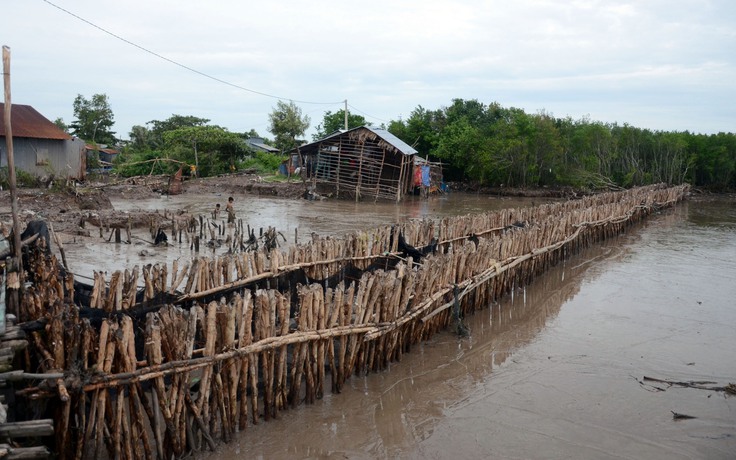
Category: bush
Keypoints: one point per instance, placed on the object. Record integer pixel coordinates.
(22, 179)
(263, 163)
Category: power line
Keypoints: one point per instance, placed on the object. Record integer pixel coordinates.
(198, 72)
(368, 115)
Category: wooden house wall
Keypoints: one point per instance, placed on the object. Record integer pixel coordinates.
(361, 168)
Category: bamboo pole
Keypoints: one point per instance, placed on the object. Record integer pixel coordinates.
(99, 424)
(245, 309)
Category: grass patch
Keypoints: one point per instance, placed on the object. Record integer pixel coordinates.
(22, 179)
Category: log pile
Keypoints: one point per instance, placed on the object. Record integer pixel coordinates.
(234, 344)
(13, 341)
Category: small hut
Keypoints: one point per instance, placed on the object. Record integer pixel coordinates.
(360, 163)
(101, 156)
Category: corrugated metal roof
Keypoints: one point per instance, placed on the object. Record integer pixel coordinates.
(27, 122)
(258, 143)
(92, 148)
(400, 145)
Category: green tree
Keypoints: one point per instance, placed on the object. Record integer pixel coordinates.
(509, 154)
(593, 147)
(336, 121)
(151, 136)
(59, 122)
(250, 134)
(398, 129)
(463, 149)
(670, 158)
(93, 119)
(423, 129)
(212, 149)
(140, 139)
(714, 160)
(546, 149)
(287, 123)
(473, 111)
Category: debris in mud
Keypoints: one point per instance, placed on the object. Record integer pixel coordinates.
(678, 416)
(700, 385)
(161, 238)
(271, 238)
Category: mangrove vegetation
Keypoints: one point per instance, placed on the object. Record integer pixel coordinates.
(491, 145)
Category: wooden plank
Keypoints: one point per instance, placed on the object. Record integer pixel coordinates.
(27, 429)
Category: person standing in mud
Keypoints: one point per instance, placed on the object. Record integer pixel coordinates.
(216, 212)
(230, 210)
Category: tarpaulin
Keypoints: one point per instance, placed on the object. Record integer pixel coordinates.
(417, 176)
(425, 176)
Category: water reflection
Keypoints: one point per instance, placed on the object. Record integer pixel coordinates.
(712, 212)
(386, 415)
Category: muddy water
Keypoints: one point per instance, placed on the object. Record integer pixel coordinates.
(295, 219)
(329, 217)
(556, 370)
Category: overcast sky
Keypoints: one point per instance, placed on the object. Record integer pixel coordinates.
(663, 65)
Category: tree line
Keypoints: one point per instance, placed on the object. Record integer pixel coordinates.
(497, 146)
(184, 141)
(489, 145)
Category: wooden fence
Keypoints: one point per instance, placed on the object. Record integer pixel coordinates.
(217, 344)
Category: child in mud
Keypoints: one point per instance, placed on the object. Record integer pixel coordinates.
(230, 210)
(216, 212)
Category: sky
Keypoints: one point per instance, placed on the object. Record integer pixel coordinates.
(662, 65)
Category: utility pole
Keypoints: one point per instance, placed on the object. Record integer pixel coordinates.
(346, 114)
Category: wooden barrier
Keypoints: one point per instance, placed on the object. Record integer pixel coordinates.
(220, 343)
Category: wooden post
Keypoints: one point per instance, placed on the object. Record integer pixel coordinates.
(2, 301)
(57, 240)
(11, 164)
(401, 175)
(360, 173)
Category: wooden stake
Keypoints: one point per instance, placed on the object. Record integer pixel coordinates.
(11, 167)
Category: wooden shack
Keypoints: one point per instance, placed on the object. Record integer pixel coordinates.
(360, 163)
(40, 147)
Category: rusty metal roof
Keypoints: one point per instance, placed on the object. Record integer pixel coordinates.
(93, 148)
(27, 122)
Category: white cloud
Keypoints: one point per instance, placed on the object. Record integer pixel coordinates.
(640, 62)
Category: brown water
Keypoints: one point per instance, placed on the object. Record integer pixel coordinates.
(555, 370)
(331, 217)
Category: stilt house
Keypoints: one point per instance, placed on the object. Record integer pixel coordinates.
(360, 163)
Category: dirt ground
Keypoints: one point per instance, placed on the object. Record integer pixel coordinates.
(71, 208)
